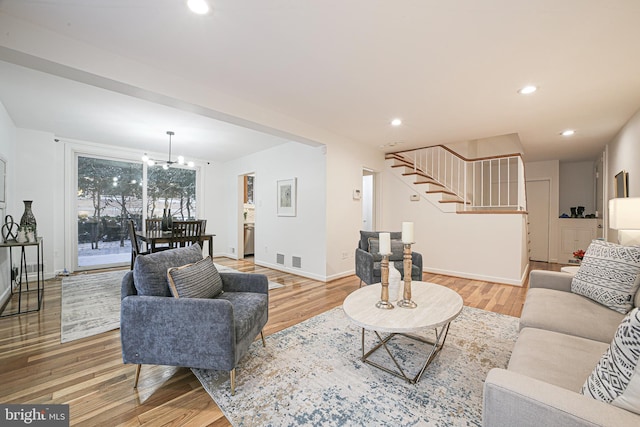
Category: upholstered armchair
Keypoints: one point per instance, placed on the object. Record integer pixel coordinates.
(196, 332)
(368, 262)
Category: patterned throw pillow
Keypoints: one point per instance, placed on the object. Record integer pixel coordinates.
(616, 377)
(609, 274)
(198, 280)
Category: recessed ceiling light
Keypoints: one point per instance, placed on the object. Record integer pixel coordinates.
(527, 90)
(568, 132)
(396, 122)
(198, 6)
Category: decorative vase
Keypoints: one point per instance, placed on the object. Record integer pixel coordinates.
(169, 220)
(28, 221)
(395, 278)
(165, 220)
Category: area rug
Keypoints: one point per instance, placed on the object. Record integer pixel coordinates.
(311, 374)
(91, 303)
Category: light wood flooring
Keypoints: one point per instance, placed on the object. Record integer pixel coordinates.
(89, 375)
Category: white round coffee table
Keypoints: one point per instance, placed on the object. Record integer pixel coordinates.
(437, 307)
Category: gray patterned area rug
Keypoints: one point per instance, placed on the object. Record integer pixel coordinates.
(91, 303)
(311, 374)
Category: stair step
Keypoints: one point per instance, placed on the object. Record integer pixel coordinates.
(447, 192)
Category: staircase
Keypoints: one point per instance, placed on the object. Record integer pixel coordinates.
(456, 184)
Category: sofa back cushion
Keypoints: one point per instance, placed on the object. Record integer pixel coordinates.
(198, 280)
(616, 377)
(150, 271)
(609, 274)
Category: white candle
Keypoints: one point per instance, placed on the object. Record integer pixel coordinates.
(385, 243)
(407, 232)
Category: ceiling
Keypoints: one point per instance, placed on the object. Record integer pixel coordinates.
(449, 70)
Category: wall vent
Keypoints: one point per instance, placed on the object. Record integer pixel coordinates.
(33, 267)
(296, 262)
(280, 259)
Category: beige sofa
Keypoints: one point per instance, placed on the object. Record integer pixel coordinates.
(562, 337)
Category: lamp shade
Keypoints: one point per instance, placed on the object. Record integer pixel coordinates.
(624, 213)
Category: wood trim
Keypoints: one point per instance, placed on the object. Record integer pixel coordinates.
(501, 156)
(483, 212)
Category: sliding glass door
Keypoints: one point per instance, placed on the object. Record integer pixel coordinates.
(109, 193)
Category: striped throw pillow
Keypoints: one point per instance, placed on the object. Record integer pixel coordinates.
(197, 280)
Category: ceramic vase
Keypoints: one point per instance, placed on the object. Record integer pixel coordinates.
(395, 279)
(28, 221)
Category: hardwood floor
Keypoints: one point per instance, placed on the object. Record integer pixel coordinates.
(89, 375)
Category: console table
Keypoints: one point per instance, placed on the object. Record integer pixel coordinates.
(18, 282)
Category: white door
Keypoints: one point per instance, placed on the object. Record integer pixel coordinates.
(538, 208)
(367, 200)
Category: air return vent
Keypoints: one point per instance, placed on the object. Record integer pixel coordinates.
(280, 259)
(296, 262)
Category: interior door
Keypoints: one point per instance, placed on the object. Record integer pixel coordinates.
(538, 208)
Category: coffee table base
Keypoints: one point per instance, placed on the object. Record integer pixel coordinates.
(441, 336)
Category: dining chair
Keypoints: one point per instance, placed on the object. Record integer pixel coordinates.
(135, 247)
(155, 225)
(187, 233)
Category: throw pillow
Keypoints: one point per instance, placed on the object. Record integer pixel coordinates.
(616, 377)
(198, 280)
(150, 271)
(609, 274)
(397, 249)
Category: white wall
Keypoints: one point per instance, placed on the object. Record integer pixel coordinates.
(577, 186)
(548, 170)
(489, 247)
(7, 152)
(39, 176)
(303, 236)
(624, 154)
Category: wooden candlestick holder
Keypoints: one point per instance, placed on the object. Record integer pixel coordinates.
(384, 281)
(406, 302)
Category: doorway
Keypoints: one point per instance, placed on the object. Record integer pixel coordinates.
(538, 204)
(248, 217)
(368, 200)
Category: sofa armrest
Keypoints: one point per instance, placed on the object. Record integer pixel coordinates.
(512, 399)
(550, 280)
(127, 287)
(364, 266)
(191, 332)
(245, 282)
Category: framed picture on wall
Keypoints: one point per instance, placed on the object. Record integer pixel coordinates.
(622, 184)
(3, 179)
(287, 197)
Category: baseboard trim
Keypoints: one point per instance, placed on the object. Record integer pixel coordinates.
(493, 279)
(291, 270)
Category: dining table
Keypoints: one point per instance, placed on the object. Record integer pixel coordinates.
(154, 238)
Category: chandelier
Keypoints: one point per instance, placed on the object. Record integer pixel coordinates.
(166, 164)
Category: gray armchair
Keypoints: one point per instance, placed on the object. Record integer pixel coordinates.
(158, 329)
(368, 264)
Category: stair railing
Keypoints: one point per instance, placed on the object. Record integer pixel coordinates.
(489, 183)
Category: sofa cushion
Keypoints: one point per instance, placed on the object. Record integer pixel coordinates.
(397, 249)
(197, 280)
(558, 359)
(616, 377)
(150, 271)
(609, 274)
(569, 313)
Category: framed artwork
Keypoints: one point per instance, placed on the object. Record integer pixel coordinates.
(287, 197)
(3, 185)
(622, 184)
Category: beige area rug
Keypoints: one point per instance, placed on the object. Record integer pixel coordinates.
(311, 375)
(91, 303)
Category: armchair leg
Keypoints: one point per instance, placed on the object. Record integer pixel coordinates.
(232, 374)
(360, 283)
(264, 344)
(135, 381)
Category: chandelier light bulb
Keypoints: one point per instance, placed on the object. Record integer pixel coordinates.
(165, 166)
(150, 162)
(145, 158)
(191, 164)
(181, 160)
